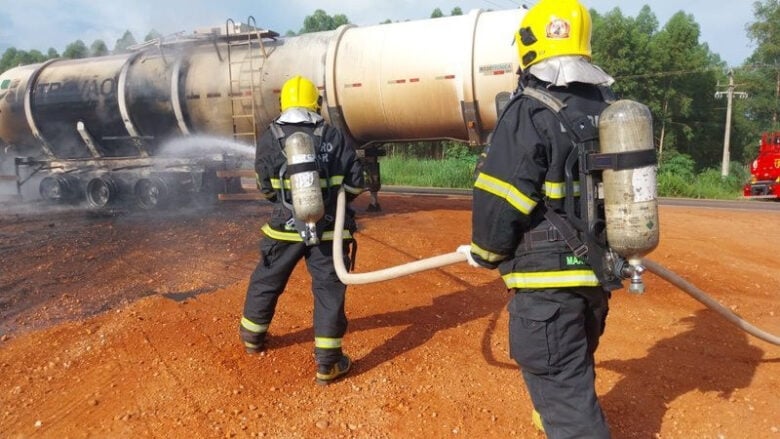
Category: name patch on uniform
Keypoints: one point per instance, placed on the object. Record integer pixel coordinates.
(571, 261)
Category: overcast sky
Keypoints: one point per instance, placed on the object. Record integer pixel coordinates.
(40, 24)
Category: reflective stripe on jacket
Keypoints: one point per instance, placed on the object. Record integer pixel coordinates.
(338, 166)
(523, 173)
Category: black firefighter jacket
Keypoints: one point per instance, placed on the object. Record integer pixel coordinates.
(521, 176)
(338, 166)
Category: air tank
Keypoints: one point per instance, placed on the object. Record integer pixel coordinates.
(630, 200)
(305, 190)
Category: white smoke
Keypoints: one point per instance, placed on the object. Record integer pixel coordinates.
(200, 145)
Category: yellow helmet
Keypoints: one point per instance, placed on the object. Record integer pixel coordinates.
(300, 92)
(553, 28)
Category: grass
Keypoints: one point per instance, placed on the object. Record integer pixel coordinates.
(458, 173)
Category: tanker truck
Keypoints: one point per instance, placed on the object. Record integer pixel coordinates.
(99, 130)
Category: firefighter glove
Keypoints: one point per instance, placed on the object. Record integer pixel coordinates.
(466, 250)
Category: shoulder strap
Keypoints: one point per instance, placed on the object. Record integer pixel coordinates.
(578, 126)
(276, 130)
(546, 98)
(567, 230)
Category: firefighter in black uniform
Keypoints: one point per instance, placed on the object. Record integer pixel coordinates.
(283, 244)
(559, 306)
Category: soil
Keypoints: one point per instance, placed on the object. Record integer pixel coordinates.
(125, 326)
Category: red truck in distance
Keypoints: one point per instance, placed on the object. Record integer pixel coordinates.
(765, 169)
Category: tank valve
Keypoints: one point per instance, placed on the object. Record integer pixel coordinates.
(633, 269)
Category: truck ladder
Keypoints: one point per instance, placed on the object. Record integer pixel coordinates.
(243, 80)
(244, 85)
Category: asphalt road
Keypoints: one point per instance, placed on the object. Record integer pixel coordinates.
(762, 205)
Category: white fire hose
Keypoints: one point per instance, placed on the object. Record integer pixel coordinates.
(455, 257)
(387, 273)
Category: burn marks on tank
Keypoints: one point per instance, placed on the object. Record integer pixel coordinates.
(87, 90)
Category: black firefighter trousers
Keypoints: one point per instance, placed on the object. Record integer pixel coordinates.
(553, 335)
(268, 281)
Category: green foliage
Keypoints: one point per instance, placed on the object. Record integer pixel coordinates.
(671, 72)
(152, 35)
(759, 77)
(437, 13)
(76, 50)
(456, 11)
(677, 178)
(123, 44)
(764, 31)
(98, 48)
(671, 185)
(13, 58)
(680, 165)
(320, 21)
(448, 173)
(462, 152)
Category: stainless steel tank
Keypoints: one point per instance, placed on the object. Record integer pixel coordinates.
(424, 79)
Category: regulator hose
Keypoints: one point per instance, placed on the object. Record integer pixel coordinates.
(387, 273)
(455, 257)
(699, 295)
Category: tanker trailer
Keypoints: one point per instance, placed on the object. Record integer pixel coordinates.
(97, 128)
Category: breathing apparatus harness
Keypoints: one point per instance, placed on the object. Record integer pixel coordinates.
(304, 222)
(584, 228)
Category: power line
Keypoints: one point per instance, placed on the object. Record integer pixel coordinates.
(668, 73)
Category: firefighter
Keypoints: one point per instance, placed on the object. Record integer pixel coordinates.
(283, 244)
(521, 226)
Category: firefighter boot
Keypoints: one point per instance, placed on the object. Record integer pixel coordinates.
(252, 336)
(328, 373)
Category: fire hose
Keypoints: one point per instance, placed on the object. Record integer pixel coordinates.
(387, 273)
(455, 257)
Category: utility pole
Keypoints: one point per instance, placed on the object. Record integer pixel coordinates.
(729, 93)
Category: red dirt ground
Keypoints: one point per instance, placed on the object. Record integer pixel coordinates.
(126, 326)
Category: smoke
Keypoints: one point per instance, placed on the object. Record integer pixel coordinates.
(7, 178)
(30, 202)
(200, 145)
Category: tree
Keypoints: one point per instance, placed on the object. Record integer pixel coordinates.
(76, 50)
(9, 59)
(437, 13)
(98, 48)
(52, 53)
(152, 35)
(320, 21)
(125, 42)
(13, 57)
(456, 11)
(671, 72)
(764, 65)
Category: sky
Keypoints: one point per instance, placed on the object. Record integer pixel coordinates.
(41, 24)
